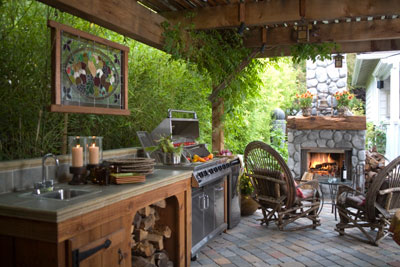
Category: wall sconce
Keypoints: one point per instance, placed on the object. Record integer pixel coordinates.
(338, 61)
(303, 31)
(380, 84)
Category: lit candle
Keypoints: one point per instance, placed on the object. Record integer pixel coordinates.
(93, 154)
(77, 156)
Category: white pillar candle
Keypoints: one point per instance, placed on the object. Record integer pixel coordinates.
(77, 156)
(93, 154)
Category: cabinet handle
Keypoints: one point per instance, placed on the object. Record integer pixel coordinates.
(77, 256)
(207, 198)
(120, 256)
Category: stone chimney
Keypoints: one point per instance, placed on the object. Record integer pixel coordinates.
(323, 80)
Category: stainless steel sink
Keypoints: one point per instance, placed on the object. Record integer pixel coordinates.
(65, 194)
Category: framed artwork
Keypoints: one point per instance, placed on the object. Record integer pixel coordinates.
(89, 73)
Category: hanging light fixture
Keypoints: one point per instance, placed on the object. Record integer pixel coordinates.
(303, 31)
(338, 61)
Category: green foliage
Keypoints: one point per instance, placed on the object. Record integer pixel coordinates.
(376, 138)
(301, 52)
(165, 145)
(246, 187)
(157, 81)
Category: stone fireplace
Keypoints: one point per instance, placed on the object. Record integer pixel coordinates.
(321, 144)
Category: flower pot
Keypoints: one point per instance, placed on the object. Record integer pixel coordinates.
(171, 158)
(306, 112)
(247, 206)
(341, 111)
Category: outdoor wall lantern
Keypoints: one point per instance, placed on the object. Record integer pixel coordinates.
(338, 61)
(303, 31)
(380, 84)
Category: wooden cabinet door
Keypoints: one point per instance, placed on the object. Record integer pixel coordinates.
(105, 245)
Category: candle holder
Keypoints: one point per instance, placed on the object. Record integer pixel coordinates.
(94, 151)
(94, 154)
(77, 150)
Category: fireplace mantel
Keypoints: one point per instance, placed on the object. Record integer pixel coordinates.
(327, 123)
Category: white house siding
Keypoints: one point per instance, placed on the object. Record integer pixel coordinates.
(372, 103)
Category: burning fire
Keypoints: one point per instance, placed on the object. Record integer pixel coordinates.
(319, 159)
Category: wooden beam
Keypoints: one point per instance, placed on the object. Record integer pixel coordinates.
(125, 17)
(348, 47)
(276, 12)
(327, 123)
(335, 32)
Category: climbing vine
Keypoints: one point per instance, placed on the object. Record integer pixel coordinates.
(300, 52)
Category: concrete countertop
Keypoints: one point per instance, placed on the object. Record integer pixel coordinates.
(26, 206)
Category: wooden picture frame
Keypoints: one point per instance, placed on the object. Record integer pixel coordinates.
(85, 77)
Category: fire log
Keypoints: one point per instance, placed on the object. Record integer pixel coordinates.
(144, 248)
(147, 222)
(161, 204)
(156, 240)
(140, 235)
(162, 230)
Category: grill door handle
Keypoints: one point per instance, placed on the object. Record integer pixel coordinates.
(207, 201)
(221, 188)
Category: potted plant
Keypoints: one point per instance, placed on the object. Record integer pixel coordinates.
(344, 100)
(169, 153)
(247, 204)
(305, 101)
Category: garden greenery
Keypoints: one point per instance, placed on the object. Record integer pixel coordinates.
(157, 81)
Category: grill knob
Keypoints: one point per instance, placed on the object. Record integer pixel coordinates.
(205, 173)
(200, 174)
(211, 171)
(220, 168)
(215, 169)
(223, 166)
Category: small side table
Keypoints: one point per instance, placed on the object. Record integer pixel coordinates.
(333, 184)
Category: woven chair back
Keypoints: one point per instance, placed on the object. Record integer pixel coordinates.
(387, 178)
(261, 159)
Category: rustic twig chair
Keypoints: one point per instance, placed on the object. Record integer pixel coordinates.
(373, 209)
(275, 188)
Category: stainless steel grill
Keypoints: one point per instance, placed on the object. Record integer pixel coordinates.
(208, 178)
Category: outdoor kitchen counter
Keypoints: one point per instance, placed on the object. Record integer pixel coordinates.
(94, 229)
(26, 206)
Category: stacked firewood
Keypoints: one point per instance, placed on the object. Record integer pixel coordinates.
(148, 238)
(374, 162)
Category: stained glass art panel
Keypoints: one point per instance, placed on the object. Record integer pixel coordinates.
(91, 72)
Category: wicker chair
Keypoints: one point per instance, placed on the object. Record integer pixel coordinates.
(275, 188)
(373, 209)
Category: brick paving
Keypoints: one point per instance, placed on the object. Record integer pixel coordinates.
(250, 244)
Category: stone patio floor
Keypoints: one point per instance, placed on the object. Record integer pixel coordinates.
(250, 244)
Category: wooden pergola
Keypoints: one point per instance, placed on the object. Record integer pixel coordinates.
(355, 25)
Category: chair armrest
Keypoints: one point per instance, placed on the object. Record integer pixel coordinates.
(383, 211)
(346, 188)
(389, 190)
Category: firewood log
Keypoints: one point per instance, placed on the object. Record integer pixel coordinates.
(144, 248)
(161, 204)
(145, 212)
(137, 220)
(147, 222)
(161, 259)
(138, 261)
(163, 230)
(156, 240)
(140, 235)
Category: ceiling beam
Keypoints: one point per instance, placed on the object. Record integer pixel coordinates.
(125, 17)
(347, 47)
(277, 12)
(334, 32)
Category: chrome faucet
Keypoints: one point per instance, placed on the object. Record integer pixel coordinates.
(45, 185)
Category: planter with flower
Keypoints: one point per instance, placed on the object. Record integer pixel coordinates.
(247, 204)
(344, 101)
(305, 102)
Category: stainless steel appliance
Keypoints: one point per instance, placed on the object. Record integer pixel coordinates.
(208, 178)
(233, 194)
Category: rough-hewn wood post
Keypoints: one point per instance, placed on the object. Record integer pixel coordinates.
(217, 125)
